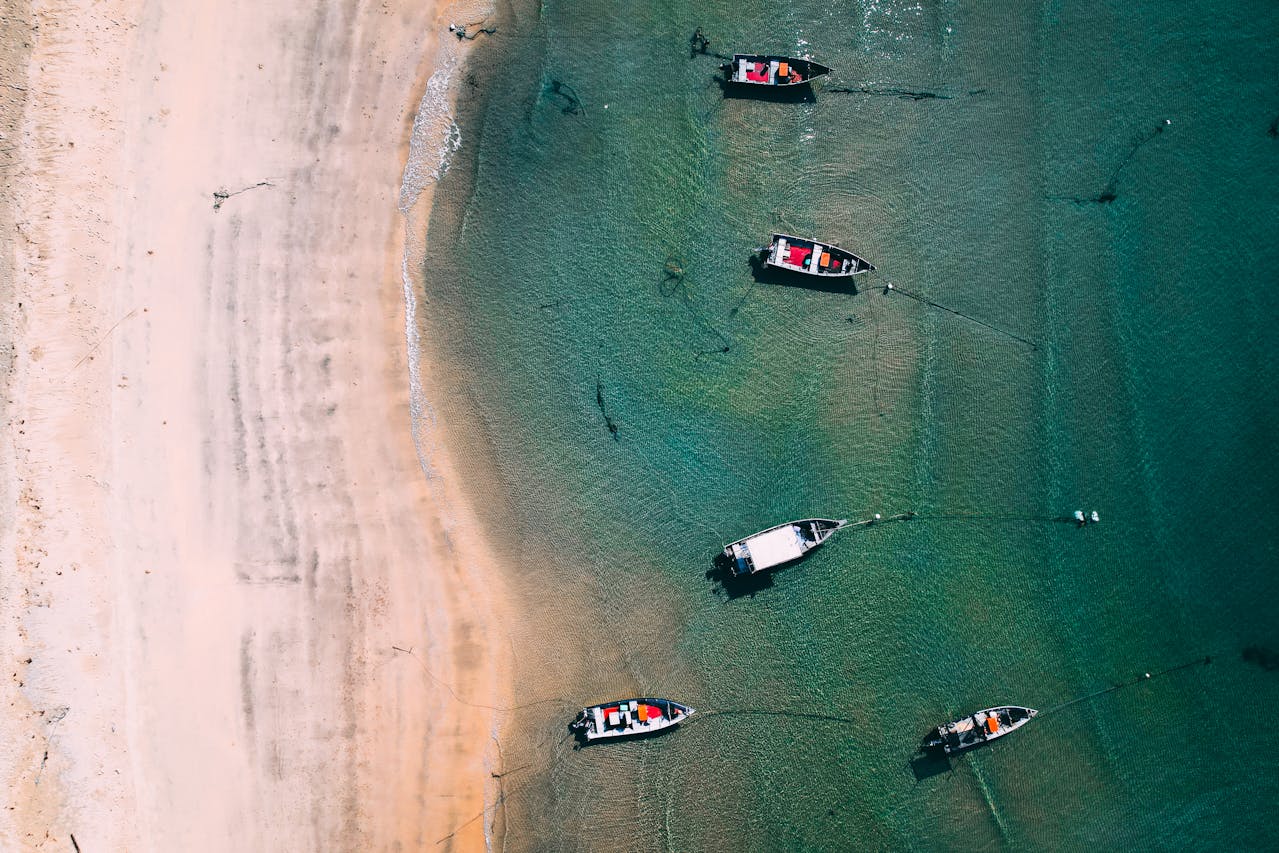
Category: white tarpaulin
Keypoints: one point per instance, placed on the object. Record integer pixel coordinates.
(775, 547)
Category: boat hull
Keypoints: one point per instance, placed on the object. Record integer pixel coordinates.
(980, 728)
(629, 718)
(779, 545)
(811, 257)
(773, 71)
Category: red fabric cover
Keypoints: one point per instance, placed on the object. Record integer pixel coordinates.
(759, 67)
(797, 255)
(654, 712)
(756, 78)
(608, 711)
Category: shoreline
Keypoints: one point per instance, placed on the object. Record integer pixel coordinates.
(215, 555)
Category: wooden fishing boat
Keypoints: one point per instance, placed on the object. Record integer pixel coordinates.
(629, 717)
(779, 545)
(761, 69)
(982, 727)
(811, 257)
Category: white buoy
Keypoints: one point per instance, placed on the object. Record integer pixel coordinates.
(1079, 516)
(1095, 517)
(878, 516)
(1147, 675)
(890, 285)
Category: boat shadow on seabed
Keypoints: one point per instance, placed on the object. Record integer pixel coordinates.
(929, 761)
(724, 582)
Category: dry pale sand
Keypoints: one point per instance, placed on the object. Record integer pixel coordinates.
(215, 524)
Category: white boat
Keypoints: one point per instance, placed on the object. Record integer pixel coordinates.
(781, 544)
(766, 69)
(629, 717)
(982, 727)
(813, 257)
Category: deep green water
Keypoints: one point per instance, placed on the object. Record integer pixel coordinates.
(1149, 394)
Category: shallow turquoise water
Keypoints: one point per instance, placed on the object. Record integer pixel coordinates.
(1145, 391)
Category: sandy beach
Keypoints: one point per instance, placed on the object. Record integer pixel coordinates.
(237, 611)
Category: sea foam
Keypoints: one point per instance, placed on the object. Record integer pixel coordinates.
(435, 136)
(432, 143)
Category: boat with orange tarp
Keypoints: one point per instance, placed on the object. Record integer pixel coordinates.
(982, 727)
(629, 717)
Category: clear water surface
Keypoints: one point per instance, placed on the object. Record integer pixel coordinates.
(589, 266)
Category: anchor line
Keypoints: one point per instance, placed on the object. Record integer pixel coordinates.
(762, 712)
(901, 516)
(1063, 519)
(674, 283)
(924, 299)
(1111, 191)
(453, 693)
(874, 313)
(1146, 676)
(507, 793)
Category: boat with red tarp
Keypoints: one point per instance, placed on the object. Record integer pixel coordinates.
(813, 257)
(982, 727)
(761, 69)
(629, 717)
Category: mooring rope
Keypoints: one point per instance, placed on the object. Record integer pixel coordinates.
(763, 712)
(892, 288)
(880, 519)
(1145, 676)
(507, 794)
(1111, 190)
(453, 693)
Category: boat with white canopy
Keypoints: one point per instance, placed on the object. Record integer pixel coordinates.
(781, 544)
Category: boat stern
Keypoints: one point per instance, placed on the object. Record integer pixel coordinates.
(739, 557)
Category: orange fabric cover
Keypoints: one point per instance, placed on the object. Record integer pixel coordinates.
(783, 70)
(825, 259)
(992, 724)
(643, 713)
